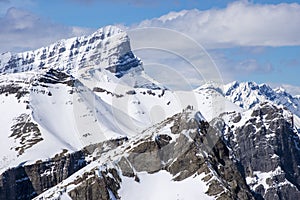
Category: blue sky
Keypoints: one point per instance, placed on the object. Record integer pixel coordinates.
(98, 13)
(248, 40)
(93, 13)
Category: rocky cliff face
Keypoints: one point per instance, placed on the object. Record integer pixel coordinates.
(186, 149)
(97, 82)
(45, 93)
(267, 146)
(250, 155)
(108, 48)
(26, 182)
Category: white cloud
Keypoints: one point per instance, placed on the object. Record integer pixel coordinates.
(233, 67)
(22, 30)
(253, 66)
(6, 4)
(171, 52)
(239, 24)
(244, 25)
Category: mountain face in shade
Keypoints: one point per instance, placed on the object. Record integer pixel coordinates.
(80, 119)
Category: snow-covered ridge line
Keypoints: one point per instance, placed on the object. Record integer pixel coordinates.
(249, 94)
(107, 47)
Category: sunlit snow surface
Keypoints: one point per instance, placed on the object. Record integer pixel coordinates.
(161, 186)
(73, 117)
(103, 105)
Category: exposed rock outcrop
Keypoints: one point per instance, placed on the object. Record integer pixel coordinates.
(267, 148)
(193, 148)
(26, 182)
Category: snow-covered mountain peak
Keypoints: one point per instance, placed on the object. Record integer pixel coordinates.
(280, 90)
(81, 115)
(249, 94)
(211, 85)
(244, 87)
(108, 48)
(108, 31)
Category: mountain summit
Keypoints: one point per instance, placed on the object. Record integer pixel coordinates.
(80, 119)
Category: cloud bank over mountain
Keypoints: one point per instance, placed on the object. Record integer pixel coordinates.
(22, 30)
(239, 24)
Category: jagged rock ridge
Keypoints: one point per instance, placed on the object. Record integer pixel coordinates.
(108, 48)
(250, 152)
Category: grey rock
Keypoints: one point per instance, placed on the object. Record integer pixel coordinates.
(26, 182)
(268, 142)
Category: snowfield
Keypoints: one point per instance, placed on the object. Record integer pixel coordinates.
(87, 90)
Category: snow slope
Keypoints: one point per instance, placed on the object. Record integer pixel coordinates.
(81, 91)
(167, 189)
(86, 90)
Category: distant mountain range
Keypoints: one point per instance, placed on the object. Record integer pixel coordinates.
(80, 119)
